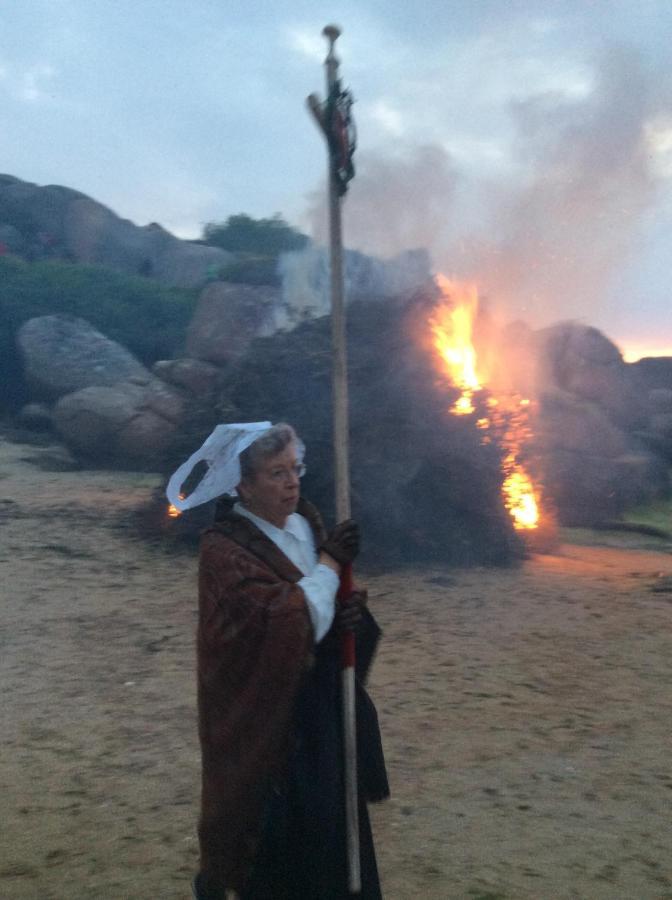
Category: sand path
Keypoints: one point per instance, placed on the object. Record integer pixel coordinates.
(527, 714)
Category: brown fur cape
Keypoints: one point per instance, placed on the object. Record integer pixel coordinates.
(254, 644)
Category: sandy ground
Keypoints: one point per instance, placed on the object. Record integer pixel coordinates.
(527, 714)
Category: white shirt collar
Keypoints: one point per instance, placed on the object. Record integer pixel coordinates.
(292, 525)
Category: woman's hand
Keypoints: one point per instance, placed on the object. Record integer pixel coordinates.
(349, 614)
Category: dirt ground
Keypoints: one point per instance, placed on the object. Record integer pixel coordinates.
(526, 713)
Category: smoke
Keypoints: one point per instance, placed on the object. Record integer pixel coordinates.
(551, 235)
(306, 280)
(395, 210)
(558, 237)
(396, 203)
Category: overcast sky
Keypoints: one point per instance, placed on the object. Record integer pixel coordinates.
(527, 144)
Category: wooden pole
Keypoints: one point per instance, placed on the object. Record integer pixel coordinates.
(338, 338)
(341, 466)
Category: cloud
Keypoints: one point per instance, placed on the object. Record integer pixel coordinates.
(30, 85)
(659, 144)
(305, 41)
(388, 117)
(36, 83)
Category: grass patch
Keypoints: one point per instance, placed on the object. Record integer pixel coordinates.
(619, 540)
(654, 515)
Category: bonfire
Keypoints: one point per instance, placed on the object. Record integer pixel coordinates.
(451, 324)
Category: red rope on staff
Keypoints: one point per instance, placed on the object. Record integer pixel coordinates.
(347, 638)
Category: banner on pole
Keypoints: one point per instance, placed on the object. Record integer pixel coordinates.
(341, 135)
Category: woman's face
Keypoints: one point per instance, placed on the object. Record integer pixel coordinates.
(273, 492)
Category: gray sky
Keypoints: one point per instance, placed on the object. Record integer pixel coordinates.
(527, 143)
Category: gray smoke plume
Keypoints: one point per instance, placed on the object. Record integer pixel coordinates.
(553, 233)
(306, 280)
(557, 237)
(395, 203)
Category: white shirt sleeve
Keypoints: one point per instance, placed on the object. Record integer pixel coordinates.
(320, 584)
(320, 589)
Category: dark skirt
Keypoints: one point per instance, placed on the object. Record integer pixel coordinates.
(303, 853)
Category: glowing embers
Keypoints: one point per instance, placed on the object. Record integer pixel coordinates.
(451, 324)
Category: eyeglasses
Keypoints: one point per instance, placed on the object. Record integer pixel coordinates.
(278, 474)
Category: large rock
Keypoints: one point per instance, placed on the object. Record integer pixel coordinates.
(127, 424)
(659, 400)
(55, 221)
(596, 442)
(566, 422)
(652, 373)
(94, 234)
(589, 490)
(38, 213)
(228, 317)
(581, 361)
(63, 354)
(658, 435)
(199, 378)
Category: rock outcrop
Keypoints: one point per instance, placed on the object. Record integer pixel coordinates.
(590, 430)
(62, 354)
(228, 317)
(652, 378)
(58, 222)
(199, 378)
(127, 424)
(583, 362)
(109, 408)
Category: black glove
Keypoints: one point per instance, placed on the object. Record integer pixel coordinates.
(343, 542)
(349, 612)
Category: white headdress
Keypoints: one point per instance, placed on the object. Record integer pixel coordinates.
(220, 451)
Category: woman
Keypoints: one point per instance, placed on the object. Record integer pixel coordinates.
(272, 815)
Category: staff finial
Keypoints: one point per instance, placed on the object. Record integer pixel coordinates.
(331, 32)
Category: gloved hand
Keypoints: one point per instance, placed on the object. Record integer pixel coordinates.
(349, 614)
(343, 542)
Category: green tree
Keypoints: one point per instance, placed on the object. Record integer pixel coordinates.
(261, 237)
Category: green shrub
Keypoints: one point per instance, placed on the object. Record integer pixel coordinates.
(148, 318)
(252, 270)
(265, 237)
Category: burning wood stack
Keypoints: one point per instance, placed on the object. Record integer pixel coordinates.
(469, 442)
(424, 484)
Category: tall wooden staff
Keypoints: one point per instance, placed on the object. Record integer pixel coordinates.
(334, 121)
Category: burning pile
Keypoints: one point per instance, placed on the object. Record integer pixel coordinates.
(425, 485)
(451, 325)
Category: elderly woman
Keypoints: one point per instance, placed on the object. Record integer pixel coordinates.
(272, 815)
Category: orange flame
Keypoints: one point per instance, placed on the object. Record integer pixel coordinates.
(520, 497)
(451, 324)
